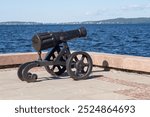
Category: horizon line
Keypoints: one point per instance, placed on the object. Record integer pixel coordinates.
(70, 21)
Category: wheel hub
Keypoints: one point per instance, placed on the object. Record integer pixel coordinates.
(79, 65)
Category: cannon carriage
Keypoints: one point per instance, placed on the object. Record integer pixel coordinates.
(59, 59)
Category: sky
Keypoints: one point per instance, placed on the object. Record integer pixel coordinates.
(57, 11)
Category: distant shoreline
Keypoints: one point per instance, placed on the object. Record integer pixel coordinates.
(71, 24)
(108, 21)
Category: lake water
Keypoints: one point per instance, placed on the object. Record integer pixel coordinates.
(116, 39)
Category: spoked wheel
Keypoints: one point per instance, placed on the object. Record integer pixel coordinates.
(20, 70)
(55, 69)
(79, 65)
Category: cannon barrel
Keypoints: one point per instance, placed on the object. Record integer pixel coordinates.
(41, 41)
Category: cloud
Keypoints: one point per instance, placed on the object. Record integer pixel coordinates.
(96, 13)
(136, 7)
(88, 13)
(134, 10)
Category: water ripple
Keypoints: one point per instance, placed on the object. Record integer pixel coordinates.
(117, 39)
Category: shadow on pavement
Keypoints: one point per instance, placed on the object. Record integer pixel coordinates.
(65, 77)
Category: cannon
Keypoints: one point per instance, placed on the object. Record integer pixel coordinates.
(59, 58)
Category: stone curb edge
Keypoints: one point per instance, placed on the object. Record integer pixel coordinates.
(122, 62)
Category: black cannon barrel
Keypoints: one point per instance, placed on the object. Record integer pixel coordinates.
(41, 41)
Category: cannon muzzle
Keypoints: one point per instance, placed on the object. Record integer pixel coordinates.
(41, 41)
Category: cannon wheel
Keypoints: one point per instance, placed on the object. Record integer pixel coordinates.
(20, 70)
(79, 65)
(55, 69)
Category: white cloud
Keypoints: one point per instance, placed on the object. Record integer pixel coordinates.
(88, 13)
(97, 12)
(134, 10)
(136, 7)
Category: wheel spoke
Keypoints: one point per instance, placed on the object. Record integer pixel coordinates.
(59, 68)
(76, 58)
(73, 65)
(76, 72)
(85, 64)
(54, 66)
(53, 56)
(82, 58)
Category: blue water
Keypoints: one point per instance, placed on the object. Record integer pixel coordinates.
(116, 39)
